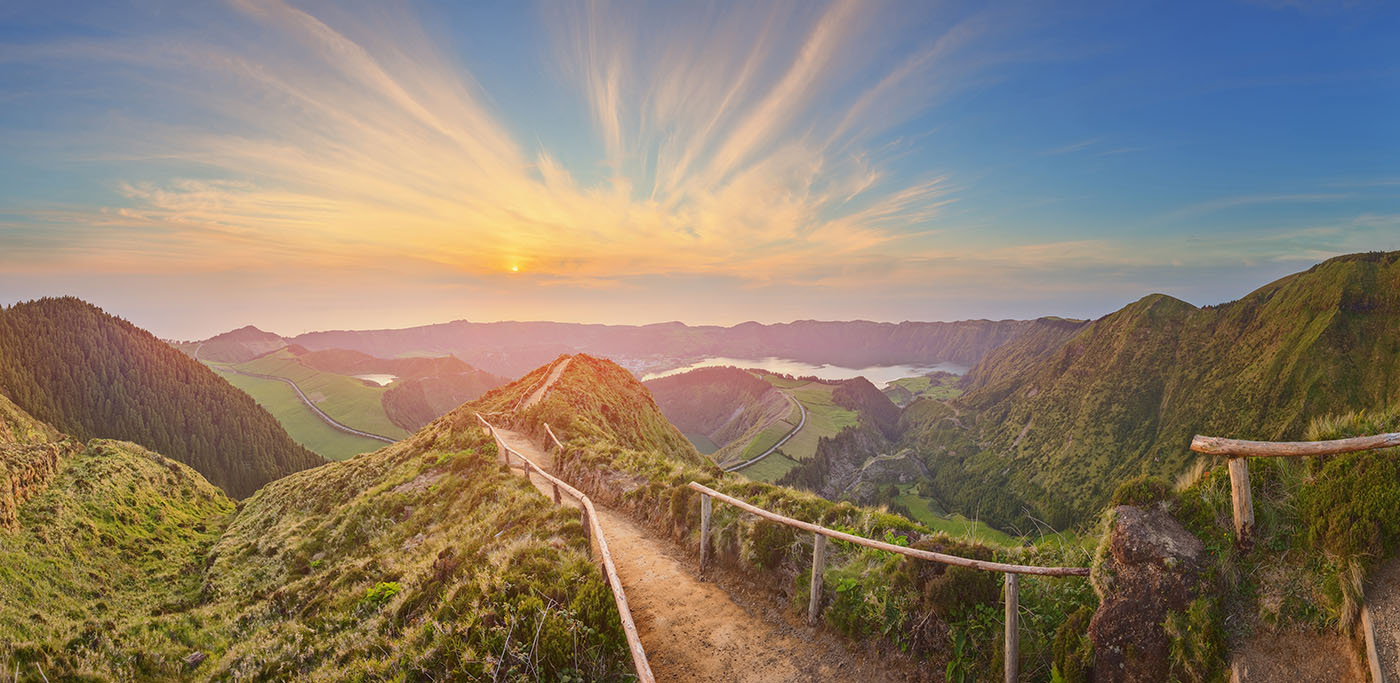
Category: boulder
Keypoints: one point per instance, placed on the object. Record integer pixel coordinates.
(1150, 566)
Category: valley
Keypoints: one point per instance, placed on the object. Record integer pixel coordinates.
(1093, 410)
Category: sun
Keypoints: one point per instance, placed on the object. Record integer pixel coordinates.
(515, 269)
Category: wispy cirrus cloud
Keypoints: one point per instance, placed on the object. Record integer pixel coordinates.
(747, 146)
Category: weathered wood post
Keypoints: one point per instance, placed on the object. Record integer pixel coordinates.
(1242, 501)
(556, 492)
(705, 504)
(1013, 629)
(583, 511)
(1373, 659)
(814, 604)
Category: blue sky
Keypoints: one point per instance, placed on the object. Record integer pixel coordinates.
(330, 165)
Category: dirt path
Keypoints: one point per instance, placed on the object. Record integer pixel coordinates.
(549, 382)
(1293, 657)
(694, 630)
(1383, 601)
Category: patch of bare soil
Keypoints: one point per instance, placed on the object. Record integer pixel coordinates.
(695, 631)
(1294, 657)
(549, 382)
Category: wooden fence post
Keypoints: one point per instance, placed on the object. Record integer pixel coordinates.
(814, 604)
(1373, 659)
(704, 533)
(1242, 502)
(1013, 629)
(556, 492)
(586, 535)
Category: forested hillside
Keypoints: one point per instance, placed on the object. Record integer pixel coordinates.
(1051, 428)
(90, 374)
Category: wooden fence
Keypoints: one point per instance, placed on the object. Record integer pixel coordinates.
(1242, 500)
(594, 531)
(821, 533)
(1239, 451)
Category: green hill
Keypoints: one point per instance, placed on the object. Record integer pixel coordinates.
(1052, 428)
(424, 560)
(725, 406)
(621, 452)
(593, 399)
(235, 346)
(94, 375)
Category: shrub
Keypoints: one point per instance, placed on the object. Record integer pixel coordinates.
(1072, 653)
(1142, 491)
(379, 594)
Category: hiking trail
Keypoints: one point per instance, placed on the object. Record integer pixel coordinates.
(693, 630)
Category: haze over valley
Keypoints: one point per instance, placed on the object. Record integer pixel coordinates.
(755, 342)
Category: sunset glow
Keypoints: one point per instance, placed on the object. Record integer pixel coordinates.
(715, 163)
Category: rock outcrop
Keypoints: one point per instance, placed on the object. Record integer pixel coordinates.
(1150, 566)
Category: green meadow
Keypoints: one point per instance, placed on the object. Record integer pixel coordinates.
(350, 401)
(305, 427)
(824, 418)
(927, 512)
(906, 390)
(769, 469)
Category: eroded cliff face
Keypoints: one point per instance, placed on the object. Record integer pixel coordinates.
(1148, 567)
(25, 470)
(29, 455)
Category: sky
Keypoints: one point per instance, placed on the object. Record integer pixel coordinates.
(194, 167)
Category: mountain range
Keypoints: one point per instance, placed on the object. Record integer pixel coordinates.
(1055, 419)
(512, 348)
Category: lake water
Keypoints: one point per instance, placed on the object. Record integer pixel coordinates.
(879, 375)
(379, 378)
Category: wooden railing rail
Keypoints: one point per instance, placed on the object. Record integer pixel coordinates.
(594, 531)
(821, 533)
(1242, 500)
(1238, 450)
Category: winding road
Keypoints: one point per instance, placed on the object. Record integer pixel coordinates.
(781, 441)
(320, 413)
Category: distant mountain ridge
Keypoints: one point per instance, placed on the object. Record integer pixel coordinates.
(513, 348)
(90, 374)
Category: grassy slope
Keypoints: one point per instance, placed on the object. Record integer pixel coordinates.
(869, 595)
(104, 563)
(1124, 394)
(594, 398)
(426, 558)
(824, 418)
(924, 511)
(305, 426)
(906, 390)
(1322, 525)
(769, 469)
(348, 400)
